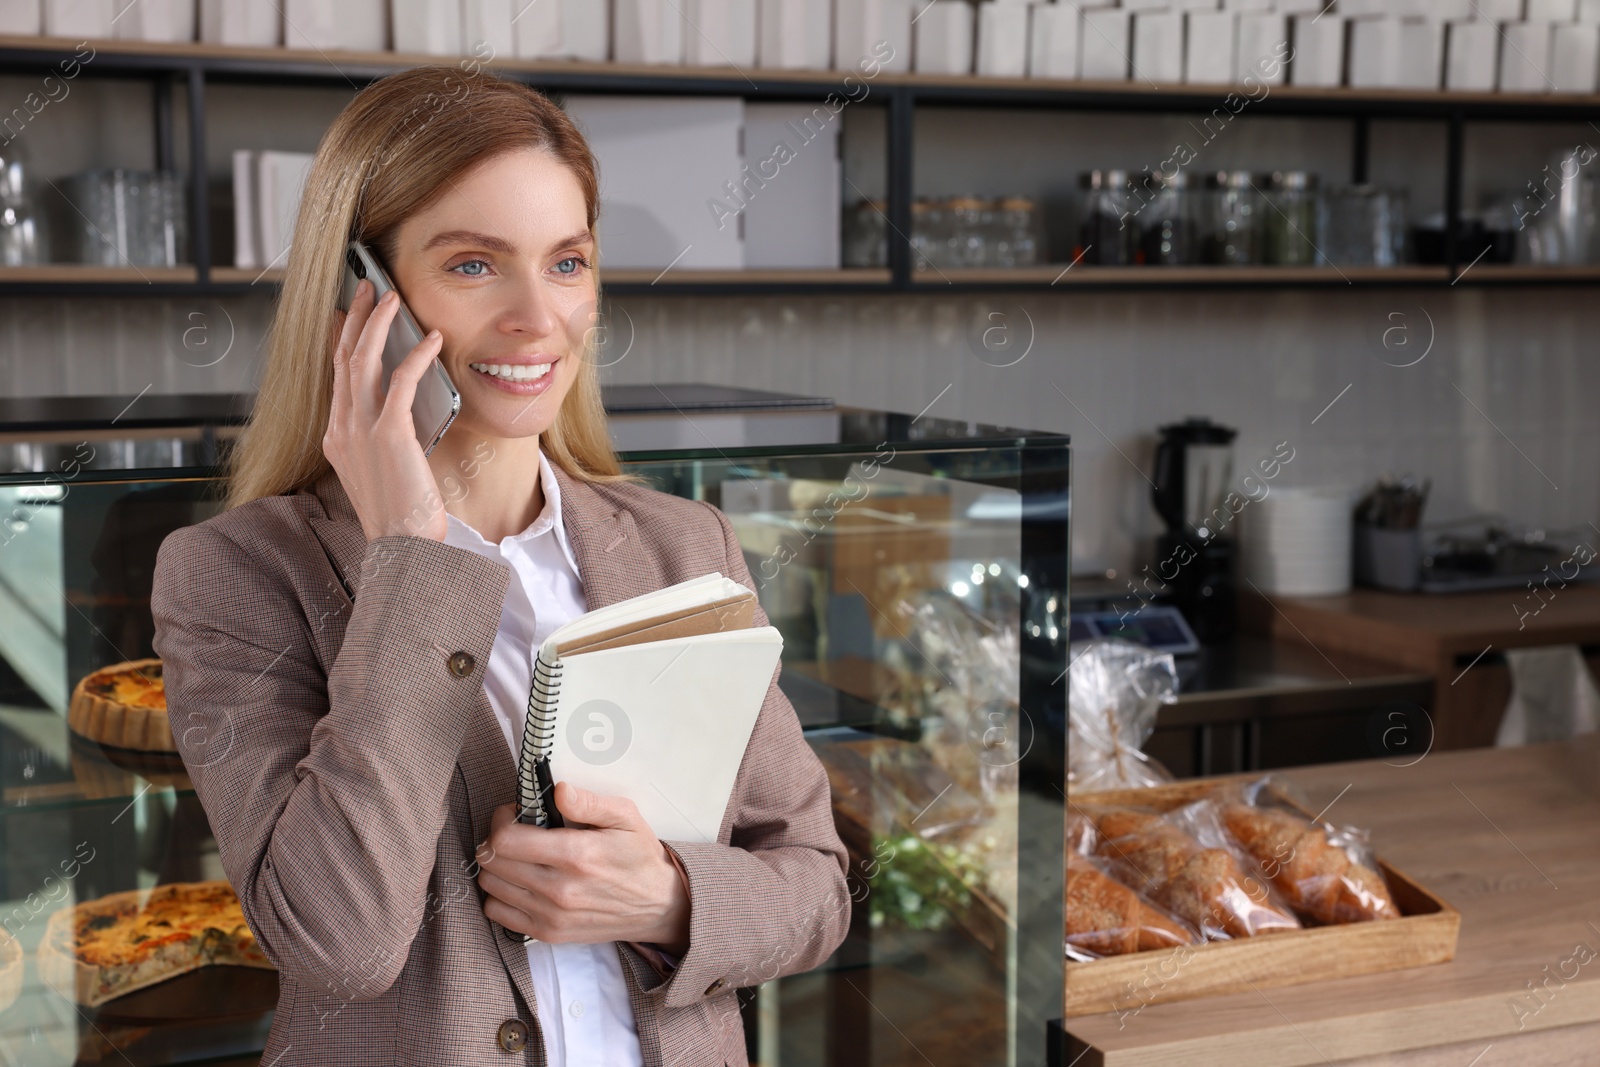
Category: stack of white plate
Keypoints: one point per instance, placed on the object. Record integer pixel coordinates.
(1296, 542)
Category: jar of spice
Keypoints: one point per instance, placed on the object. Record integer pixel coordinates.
(1289, 222)
(1167, 235)
(1232, 219)
(1107, 232)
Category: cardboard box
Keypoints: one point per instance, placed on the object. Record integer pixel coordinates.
(1002, 40)
(486, 29)
(1472, 50)
(432, 27)
(795, 34)
(1158, 46)
(235, 22)
(648, 32)
(719, 33)
(943, 38)
(1262, 52)
(862, 27)
(1574, 57)
(1525, 57)
(352, 25)
(1103, 36)
(1053, 40)
(1318, 50)
(1208, 51)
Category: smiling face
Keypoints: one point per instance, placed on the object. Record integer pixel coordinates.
(501, 265)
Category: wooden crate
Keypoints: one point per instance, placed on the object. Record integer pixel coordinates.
(1425, 933)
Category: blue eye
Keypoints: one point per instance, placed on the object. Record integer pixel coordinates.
(571, 264)
(468, 263)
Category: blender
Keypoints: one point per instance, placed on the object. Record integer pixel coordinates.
(1197, 556)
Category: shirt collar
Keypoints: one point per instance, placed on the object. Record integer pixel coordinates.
(549, 517)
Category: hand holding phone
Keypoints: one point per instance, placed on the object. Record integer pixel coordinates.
(371, 438)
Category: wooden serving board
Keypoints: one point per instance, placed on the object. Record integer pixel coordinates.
(1425, 933)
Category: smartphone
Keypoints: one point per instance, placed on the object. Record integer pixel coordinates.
(437, 402)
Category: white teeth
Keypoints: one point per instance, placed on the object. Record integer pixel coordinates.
(515, 372)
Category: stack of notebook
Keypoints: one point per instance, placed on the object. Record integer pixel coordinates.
(652, 699)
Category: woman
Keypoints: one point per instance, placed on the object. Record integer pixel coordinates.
(347, 648)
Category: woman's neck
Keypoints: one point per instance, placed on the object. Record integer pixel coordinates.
(491, 484)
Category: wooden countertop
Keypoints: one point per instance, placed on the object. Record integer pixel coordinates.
(1420, 629)
(1511, 838)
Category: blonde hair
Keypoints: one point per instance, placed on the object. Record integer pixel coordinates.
(387, 156)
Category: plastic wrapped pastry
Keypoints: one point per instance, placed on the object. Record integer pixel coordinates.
(1106, 918)
(1324, 874)
(1116, 689)
(1205, 886)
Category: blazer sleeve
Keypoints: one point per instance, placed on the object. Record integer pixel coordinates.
(326, 791)
(773, 900)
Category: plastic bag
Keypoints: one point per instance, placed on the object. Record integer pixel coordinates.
(1116, 689)
(1107, 918)
(1201, 881)
(1325, 873)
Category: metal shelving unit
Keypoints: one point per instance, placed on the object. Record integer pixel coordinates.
(190, 68)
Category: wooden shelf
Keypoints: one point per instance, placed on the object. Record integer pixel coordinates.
(87, 274)
(1061, 277)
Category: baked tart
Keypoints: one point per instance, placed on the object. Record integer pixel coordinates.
(124, 705)
(101, 949)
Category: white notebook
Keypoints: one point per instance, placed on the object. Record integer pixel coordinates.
(653, 699)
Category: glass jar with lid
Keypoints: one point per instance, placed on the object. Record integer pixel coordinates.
(1017, 223)
(866, 234)
(1167, 230)
(1289, 220)
(1232, 219)
(929, 234)
(1363, 226)
(967, 238)
(1107, 234)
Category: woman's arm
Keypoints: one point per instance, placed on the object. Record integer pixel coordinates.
(773, 901)
(326, 793)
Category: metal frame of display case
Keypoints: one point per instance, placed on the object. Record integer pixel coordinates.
(190, 68)
(1036, 466)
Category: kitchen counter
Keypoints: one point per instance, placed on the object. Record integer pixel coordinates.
(1451, 637)
(1511, 838)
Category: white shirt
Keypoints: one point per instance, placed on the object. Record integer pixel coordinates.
(583, 1003)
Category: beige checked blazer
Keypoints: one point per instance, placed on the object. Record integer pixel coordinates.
(349, 773)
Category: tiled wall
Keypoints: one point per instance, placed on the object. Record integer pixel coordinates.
(1501, 412)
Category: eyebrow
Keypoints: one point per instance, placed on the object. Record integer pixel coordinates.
(493, 243)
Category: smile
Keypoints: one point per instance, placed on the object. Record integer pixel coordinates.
(515, 372)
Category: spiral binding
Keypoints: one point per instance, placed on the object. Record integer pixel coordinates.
(538, 737)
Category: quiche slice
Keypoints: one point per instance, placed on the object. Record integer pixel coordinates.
(124, 705)
(101, 949)
(10, 969)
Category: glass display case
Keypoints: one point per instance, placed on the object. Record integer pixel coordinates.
(917, 569)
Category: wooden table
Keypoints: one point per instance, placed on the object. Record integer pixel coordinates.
(1452, 637)
(1510, 837)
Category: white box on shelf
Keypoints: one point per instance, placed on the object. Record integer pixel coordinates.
(1194, 5)
(25, 18)
(1374, 52)
(1575, 57)
(1318, 51)
(1497, 10)
(1550, 10)
(792, 221)
(1525, 57)
(1589, 11)
(648, 32)
(280, 179)
(1262, 51)
(1247, 5)
(1397, 8)
(1447, 10)
(1301, 7)
(1158, 46)
(1421, 53)
(537, 30)
(1052, 40)
(246, 222)
(157, 20)
(238, 22)
(720, 33)
(1002, 40)
(429, 27)
(352, 25)
(1103, 37)
(795, 34)
(876, 33)
(486, 31)
(585, 30)
(943, 38)
(666, 164)
(1208, 51)
(1471, 53)
(79, 19)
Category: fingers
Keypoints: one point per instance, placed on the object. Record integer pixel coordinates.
(595, 810)
(366, 361)
(349, 330)
(403, 382)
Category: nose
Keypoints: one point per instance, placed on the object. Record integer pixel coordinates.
(530, 309)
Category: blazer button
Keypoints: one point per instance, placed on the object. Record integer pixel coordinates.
(461, 664)
(716, 987)
(513, 1035)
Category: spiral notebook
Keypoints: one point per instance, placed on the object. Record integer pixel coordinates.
(653, 699)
